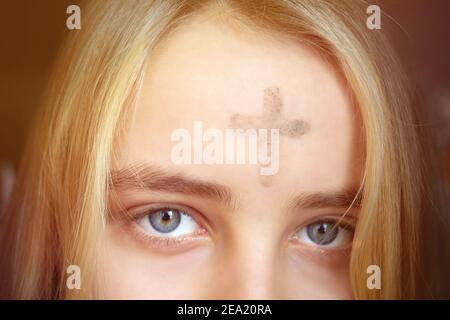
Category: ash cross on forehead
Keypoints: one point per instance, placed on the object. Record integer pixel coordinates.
(272, 117)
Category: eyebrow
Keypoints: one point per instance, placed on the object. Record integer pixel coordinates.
(340, 199)
(156, 179)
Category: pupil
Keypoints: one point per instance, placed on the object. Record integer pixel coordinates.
(166, 217)
(322, 233)
(322, 229)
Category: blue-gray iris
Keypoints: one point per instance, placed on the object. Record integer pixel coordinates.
(322, 233)
(165, 220)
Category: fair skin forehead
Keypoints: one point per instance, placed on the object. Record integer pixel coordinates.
(207, 71)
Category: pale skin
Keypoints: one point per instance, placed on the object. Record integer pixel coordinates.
(244, 239)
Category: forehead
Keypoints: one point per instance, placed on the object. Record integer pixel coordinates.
(210, 72)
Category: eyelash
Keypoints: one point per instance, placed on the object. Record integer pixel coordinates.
(167, 243)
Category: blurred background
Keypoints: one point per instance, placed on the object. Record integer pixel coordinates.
(32, 31)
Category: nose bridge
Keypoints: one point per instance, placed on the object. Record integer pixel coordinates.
(255, 273)
(250, 267)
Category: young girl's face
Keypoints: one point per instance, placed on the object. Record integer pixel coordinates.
(188, 221)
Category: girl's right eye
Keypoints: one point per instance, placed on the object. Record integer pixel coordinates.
(168, 223)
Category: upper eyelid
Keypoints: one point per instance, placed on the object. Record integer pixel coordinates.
(152, 208)
(347, 220)
(197, 216)
(124, 212)
(339, 220)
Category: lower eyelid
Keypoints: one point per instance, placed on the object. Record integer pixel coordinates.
(320, 248)
(328, 255)
(165, 243)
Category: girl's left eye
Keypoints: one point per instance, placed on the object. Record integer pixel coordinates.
(325, 234)
(168, 223)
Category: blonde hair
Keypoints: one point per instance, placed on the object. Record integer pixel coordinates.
(59, 206)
